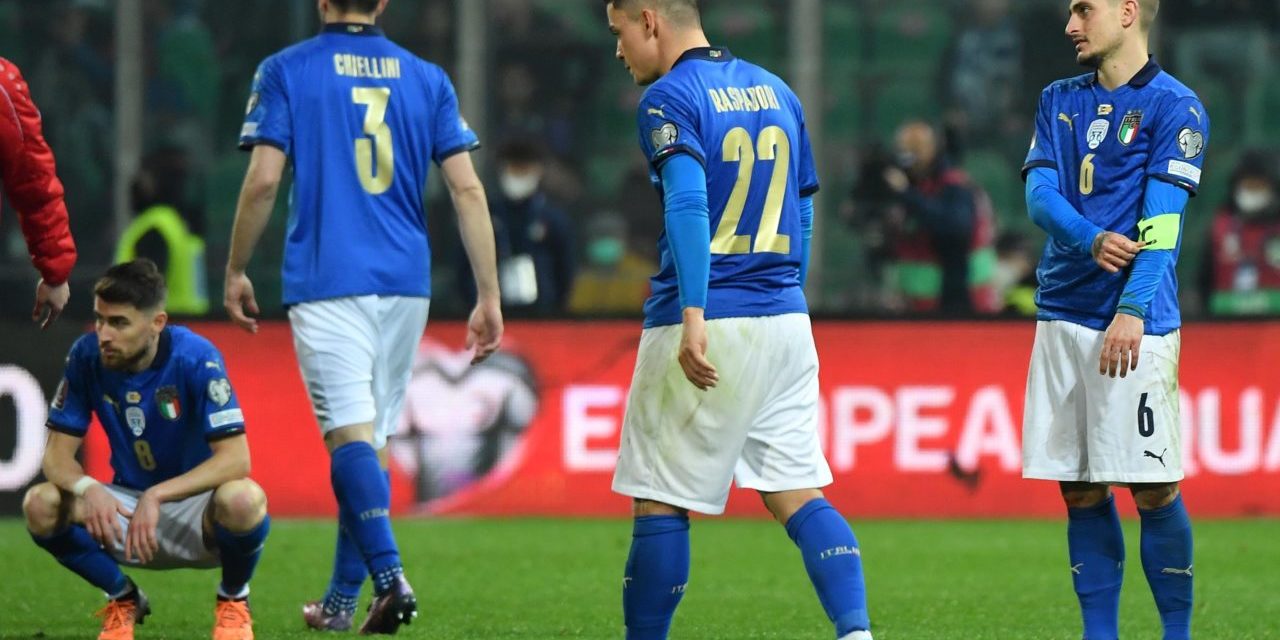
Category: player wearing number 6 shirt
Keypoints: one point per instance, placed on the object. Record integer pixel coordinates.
(726, 380)
(180, 496)
(1116, 154)
(361, 120)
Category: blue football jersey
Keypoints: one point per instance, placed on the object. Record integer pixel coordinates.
(746, 127)
(1105, 145)
(159, 421)
(361, 119)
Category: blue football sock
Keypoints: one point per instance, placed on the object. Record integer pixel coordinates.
(363, 492)
(1166, 559)
(1095, 544)
(76, 550)
(240, 553)
(657, 572)
(834, 562)
(349, 571)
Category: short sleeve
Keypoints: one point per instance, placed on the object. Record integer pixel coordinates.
(808, 170)
(451, 134)
(1178, 144)
(71, 408)
(667, 127)
(216, 401)
(267, 119)
(1041, 153)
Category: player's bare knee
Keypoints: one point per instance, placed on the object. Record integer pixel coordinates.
(642, 508)
(1080, 495)
(239, 505)
(784, 504)
(42, 506)
(1154, 496)
(337, 438)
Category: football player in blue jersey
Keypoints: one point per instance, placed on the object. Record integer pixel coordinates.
(1115, 156)
(726, 379)
(361, 120)
(180, 496)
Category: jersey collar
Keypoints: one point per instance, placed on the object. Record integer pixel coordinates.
(352, 29)
(1143, 77)
(1146, 74)
(710, 54)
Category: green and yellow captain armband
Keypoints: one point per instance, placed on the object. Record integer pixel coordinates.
(1160, 233)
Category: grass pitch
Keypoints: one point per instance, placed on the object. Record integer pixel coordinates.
(548, 579)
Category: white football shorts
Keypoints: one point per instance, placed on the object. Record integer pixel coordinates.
(683, 447)
(356, 356)
(1083, 426)
(179, 532)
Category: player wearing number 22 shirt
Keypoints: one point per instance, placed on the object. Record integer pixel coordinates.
(726, 378)
(1115, 156)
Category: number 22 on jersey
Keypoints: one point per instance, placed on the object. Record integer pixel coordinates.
(378, 143)
(772, 144)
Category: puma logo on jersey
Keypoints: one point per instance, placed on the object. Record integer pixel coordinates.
(1075, 568)
(1070, 124)
(1176, 571)
(1148, 454)
(1194, 113)
(656, 112)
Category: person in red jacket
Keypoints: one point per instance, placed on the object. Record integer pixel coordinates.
(30, 183)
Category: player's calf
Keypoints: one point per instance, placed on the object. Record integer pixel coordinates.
(657, 569)
(1167, 554)
(831, 556)
(240, 528)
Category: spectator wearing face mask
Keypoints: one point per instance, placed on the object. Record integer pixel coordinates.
(615, 279)
(1241, 274)
(534, 238)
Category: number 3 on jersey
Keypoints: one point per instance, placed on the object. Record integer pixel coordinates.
(374, 180)
(772, 144)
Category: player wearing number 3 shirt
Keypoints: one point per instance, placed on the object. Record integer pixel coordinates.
(1115, 156)
(361, 120)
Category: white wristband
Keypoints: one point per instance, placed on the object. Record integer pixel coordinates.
(82, 485)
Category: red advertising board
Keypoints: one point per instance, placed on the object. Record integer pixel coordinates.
(918, 420)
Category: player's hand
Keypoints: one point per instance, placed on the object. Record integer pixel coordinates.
(1113, 251)
(238, 298)
(100, 511)
(484, 329)
(1120, 346)
(693, 351)
(141, 542)
(50, 300)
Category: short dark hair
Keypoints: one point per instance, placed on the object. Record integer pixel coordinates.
(680, 11)
(358, 6)
(137, 282)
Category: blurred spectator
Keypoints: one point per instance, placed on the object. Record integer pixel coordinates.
(1241, 274)
(73, 80)
(167, 229)
(1015, 278)
(942, 233)
(534, 237)
(616, 278)
(980, 77)
(182, 91)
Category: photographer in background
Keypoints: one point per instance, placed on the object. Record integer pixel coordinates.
(534, 237)
(932, 224)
